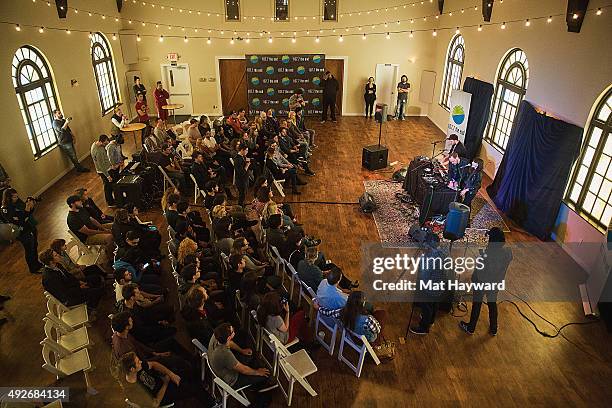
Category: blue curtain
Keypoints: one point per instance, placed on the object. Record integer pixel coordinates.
(532, 176)
(482, 92)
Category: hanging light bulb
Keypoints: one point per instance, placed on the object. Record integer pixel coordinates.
(114, 37)
(549, 19)
(598, 12)
(363, 37)
(388, 36)
(41, 30)
(293, 40)
(185, 39)
(232, 41)
(138, 38)
(248, 40)
(435, 33)
(457, 30)
(317, 39)
(480, 27)
(527, 23)
(161, 38)
(17, 27)
(341, 38)
(208, 41)
(575, 16)
(270, 40)
(68, 31)
(411, 35)
(503, 26)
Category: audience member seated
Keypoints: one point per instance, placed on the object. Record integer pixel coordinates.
(123, 342)
(227, 367)
(64, 286)
(236, 271)
(150, 291)
(149, 383)
(273, 314)
(242, 247)
(196, 318)
(284, 172)
(172, 167)
(264, 206)
(329, 296)
(194, 220)
(192, 131)
(135, 256)
(91, 273)
(312, 275)
(149, 328)
(86, 228)
(224, 235)
(251, 291)
(206, 260)
(92, 209)
(211, 189)
(152, 143)
(170, 212)
(356, 317)
(275, 233)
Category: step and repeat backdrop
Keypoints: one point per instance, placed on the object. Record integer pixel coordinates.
(272, 79)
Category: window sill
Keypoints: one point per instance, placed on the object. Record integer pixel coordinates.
(499, 149)
(444, 107)
(586, 219)
(46, 152)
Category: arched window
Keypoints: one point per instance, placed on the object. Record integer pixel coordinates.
(512, 78)
(591, 183)
(102, 61)
(37, 98)
(454, 69)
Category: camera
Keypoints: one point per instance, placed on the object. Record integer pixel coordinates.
(37, 199)
(311, 241)
(70, 119)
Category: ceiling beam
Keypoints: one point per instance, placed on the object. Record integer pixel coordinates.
(576, 10)
(487, 9)
(119, 5)
(62, 8)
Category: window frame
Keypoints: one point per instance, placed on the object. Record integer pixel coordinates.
(232, 20)
(109, 62)
(457, 42)
(606, 128)
(335, 19)
(276, 19)
(502, 85)
(22, 90)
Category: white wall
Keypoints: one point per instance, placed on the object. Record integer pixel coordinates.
(69, 58)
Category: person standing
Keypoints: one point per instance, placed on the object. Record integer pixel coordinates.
(330, 91)
(103, 165)
(370, 97)
(139, 89)
(241, 167)
(161, 99)
(65, 139)
(115, 156)
(16, 212)
(403, 89)
(497, 258)
(5, 180)
(119, 121)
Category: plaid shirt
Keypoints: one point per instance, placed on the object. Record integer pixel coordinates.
(370, 323)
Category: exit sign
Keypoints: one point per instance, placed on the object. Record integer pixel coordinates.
(173, 57)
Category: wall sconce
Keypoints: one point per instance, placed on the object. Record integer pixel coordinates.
(74, 83)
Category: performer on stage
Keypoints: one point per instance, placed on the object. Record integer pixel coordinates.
(161, 99)
(473, 180)
(456, 170)
(457, 146)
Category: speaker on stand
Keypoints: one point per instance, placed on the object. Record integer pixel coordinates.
(376, 156)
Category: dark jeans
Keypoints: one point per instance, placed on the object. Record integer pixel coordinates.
(29, 241)
(93, 296)
(256, 382)
(187, 390)
(369, 105)
(69, 151)
(477, 304)
(428, 314)
(242, 186)
(331, 104)
(108, 189)
(469, 196)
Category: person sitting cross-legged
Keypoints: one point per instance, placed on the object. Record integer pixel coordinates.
(86, 228)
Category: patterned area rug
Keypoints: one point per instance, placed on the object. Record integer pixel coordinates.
(393, 217)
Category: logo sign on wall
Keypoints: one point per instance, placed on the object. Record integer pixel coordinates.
(272, 79)
(459, 112)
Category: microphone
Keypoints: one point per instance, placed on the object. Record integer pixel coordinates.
(466, 165)
(438, 141)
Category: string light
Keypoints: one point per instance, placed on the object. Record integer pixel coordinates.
(17, 27)
(317, 39)
(68, 31)
(363, 37)
(388, 36)
(248, 40)
(41, 30)
(270, 40)
(185, 39)
(232, 41)
(480, 27)
(114, 37)
(549, 19)
(457, 31)
(341, 38)
(527, 23)
(138, 38)
(503, 26)
(411, 35)
(435, 33)
(208, 41)
(598, 12)
(575, 16)
(161, 38)
(293, 40)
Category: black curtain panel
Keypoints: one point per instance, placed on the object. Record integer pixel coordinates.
(532, 176)
(482, 92)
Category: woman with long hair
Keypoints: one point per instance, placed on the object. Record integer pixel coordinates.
(241, 247)
(273, 313)
(21, 214)
(369, 96)
(265, 206)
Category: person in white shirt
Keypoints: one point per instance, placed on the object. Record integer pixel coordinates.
(119, 121)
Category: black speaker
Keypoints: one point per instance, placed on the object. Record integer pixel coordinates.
(457, 220)
(374, 157)
(366, 203)
(381, 112)
(418, 233)
(128, 190)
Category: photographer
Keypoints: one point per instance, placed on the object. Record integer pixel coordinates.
(65, 139)
(16, 212)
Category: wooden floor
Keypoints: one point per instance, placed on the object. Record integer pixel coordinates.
(446, 368)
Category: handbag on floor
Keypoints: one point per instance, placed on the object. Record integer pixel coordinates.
(385, 350)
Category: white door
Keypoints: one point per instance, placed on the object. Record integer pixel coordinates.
(177, 82)
(386, 84)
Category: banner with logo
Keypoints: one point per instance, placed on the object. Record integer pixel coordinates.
(459, 112)
(272, 79)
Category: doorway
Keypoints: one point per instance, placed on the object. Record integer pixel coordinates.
(232, 78)
(386, 84)
(177, 82)
(336, 67)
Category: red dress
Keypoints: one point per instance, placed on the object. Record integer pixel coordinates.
(161, 99)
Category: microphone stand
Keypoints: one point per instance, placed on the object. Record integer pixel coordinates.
(433, 149)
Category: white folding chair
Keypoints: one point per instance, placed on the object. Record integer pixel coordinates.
(218, 384)
(88, 254)
(231, 159)
(172, 247)
(64, 335)
(279, 265)
(293, 367)
(240, 308)
(167, 179)
(54, 404)
(62, 363)
(269, 349)
(75, 316)
(309, 296)
(196, 189)
(295, 286)
(323, 328)
(171, 233)
(361, 345)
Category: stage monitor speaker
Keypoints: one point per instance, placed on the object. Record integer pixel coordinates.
(418, 233)
(381, 111)
(366, 203)
(375, 157)
(457, 220)
(128, 190)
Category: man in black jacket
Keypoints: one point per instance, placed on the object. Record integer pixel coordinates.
(65, 139)
(274, 234)
(64, 286)
(241, 169)
(330, 90)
